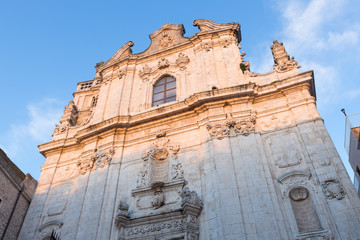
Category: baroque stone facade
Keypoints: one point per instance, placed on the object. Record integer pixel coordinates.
(225, 153)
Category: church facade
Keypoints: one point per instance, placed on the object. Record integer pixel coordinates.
(183, 141)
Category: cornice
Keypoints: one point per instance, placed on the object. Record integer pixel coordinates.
(192, 103)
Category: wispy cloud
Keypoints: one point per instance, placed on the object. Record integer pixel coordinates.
(36, 127)
(318, 33)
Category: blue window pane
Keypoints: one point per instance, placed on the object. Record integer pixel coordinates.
(171, 93)
(159, 88)
(171, 85)
(157, 103)
(170, 99)
(158, 96)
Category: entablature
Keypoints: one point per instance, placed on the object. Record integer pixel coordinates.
(196, 102)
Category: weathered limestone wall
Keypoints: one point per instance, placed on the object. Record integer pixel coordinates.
(249, 159)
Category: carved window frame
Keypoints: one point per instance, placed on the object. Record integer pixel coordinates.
(303, 179)
(164, 81)
(153, 78)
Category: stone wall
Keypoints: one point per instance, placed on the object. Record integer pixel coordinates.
(16, 191)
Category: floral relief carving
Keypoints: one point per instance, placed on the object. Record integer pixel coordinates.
(156, 227)
(245, 126)
(165, 40)
(206, 47)
(122, 212)
(333, 189)
(190, 197)
(102, 159)
(145, 72)
(176, 170)
(218, 130)
(59, 129)
(160, 150)
(98, 160)
(182, 61)
(296, 181)
(85, 165)
(121, 73)
(223, 129)
(225, 43)
(163, 63)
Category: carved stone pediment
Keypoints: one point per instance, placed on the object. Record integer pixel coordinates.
(167, 36)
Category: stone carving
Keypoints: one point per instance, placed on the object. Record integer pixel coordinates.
(106, 80)
(121, 73)
(208, 25)
(98, 160)
(190, 197)
(322, 234)
(282, 61)
(295, 179)
(206, 46)
(102, 159)
(122, 213)
(220, 130)
(333, 189)
(225, 43)
(145, 72)
(298, 193)
(192, 236)
(123, 209)
(165, 40)
(160, 150)
(156, 227)
(85, 165)
(245, 66)
(163, 63)
(52, 228)
(182, 61)
(158, 198)
(176, 170)
(281, 149)
(59, 129)
(245, 126)
(68, 119)
(143, 177)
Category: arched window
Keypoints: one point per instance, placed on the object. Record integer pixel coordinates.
(164, 91)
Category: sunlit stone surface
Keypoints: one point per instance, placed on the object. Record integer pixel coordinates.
(237, 155)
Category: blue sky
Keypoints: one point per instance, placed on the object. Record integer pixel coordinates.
(46, 47)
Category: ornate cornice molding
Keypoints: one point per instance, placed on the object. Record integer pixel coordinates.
(199, 99)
